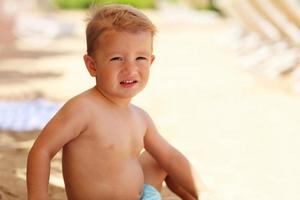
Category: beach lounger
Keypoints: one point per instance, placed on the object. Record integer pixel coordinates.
(278, 18)
(291, 9)
(248, 16)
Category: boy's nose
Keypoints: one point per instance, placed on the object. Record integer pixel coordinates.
(129, 67)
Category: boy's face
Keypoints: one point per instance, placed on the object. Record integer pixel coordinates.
(121, 63)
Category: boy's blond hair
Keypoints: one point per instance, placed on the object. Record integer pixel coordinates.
(115, 17)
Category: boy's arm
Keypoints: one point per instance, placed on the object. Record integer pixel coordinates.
(170, 159)
(67, 124)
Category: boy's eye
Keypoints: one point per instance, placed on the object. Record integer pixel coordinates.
(141, 58)
(116, 59)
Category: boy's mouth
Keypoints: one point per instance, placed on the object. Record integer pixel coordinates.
(128, 83)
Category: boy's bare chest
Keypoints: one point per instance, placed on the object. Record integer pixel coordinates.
(117, 134)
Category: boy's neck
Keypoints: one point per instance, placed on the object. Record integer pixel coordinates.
(118, 102)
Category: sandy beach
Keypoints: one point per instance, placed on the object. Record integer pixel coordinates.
(239, 130)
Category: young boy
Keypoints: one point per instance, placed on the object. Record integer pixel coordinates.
(102, 134)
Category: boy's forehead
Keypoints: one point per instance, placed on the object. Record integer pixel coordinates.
(113, 33)
(112, 36)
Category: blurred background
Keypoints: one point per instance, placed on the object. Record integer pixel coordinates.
(224, 88)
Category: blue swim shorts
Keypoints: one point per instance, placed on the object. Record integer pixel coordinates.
(150, 193)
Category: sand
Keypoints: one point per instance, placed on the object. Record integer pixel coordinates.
(239, 130)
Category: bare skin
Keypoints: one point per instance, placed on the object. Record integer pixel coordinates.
(102, 133)
(115, 140)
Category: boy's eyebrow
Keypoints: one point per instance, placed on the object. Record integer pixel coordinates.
(148, 53)
(144, 52)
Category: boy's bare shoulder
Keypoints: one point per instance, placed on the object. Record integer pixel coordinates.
(142, 113)
(80, 104)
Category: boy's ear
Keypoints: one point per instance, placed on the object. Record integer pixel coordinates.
(90, 64)
(152, 59)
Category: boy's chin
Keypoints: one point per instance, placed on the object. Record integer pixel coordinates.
(129, 95)
(132, 92)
